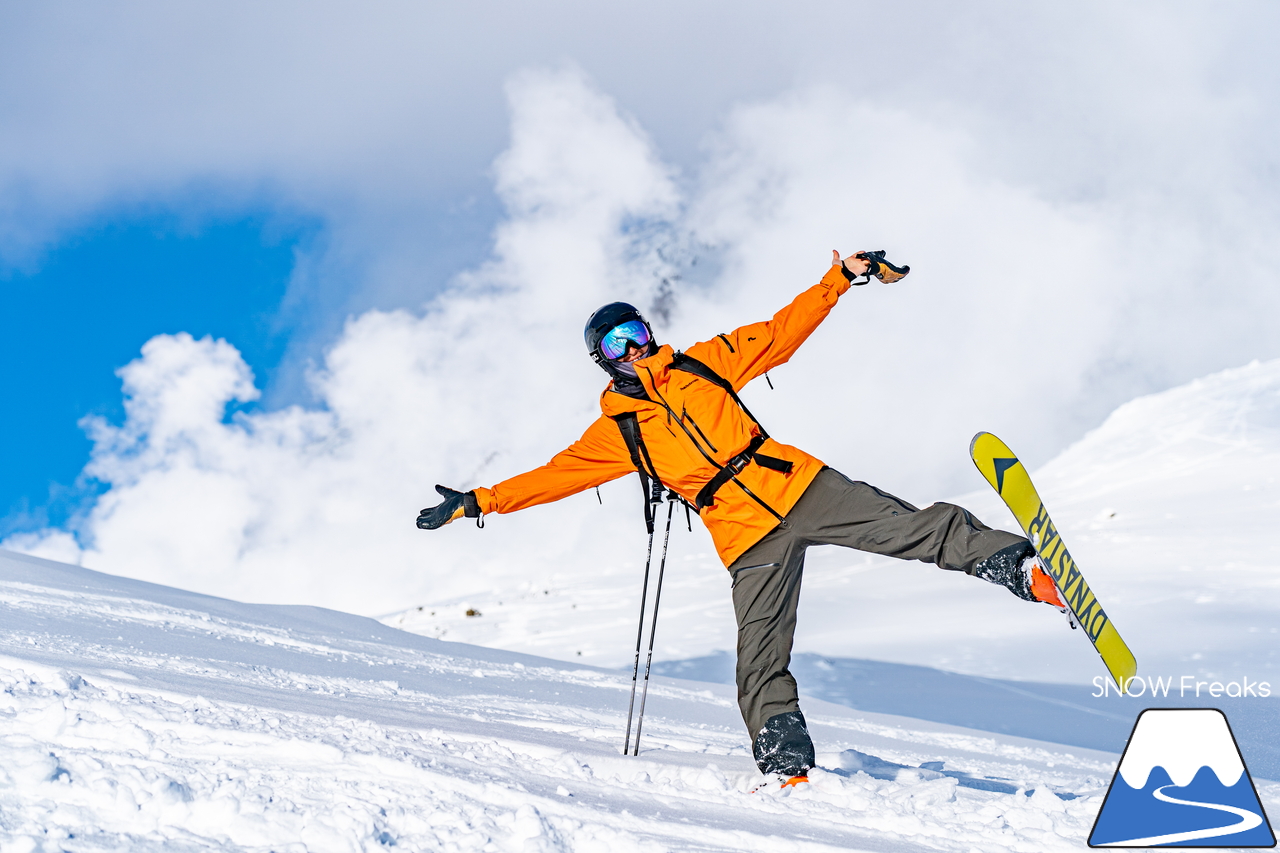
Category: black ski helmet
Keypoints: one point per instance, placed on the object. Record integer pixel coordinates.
(606, 319)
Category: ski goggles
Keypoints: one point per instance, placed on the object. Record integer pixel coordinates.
(614, 345)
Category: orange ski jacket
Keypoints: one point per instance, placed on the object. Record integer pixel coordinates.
(684, 409)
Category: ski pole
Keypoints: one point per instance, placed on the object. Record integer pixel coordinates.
(657, 598)
(644, 596)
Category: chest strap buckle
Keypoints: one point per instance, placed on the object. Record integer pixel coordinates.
(736, 465)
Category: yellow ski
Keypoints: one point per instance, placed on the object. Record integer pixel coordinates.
(1011, 481)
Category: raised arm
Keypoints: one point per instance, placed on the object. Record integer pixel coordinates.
(747, 352)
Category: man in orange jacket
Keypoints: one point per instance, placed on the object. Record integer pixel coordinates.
(763, 502)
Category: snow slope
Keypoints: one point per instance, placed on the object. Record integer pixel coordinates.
(1167, 507)
(143, 717)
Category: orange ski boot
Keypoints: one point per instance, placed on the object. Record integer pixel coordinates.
(775, 782)
(1044, 589)
(1042, 586)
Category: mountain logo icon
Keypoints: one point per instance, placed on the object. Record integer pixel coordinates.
(1182, 783)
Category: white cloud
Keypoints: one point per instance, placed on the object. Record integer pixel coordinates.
(317, 505)
(994, 320)
(380, 122)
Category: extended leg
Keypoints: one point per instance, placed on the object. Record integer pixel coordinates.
(838, 511)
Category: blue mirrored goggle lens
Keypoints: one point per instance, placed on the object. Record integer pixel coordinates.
(614, 345)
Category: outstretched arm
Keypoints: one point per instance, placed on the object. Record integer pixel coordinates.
(747, 352)
(598, 457)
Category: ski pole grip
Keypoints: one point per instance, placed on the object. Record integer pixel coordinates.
(883, 269)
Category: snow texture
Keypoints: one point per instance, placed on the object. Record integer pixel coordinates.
(142, 717)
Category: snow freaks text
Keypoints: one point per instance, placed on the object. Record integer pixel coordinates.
(1187, 686)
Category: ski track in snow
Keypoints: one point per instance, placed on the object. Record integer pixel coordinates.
(139, 717)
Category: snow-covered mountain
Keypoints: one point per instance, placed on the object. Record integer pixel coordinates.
(141, 717)
(1181, 743)
(1166, 506)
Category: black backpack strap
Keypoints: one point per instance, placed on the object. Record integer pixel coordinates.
(732, 468)
(689, 364)
(650, 483)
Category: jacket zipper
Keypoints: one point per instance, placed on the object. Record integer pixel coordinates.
(685, 414)
(718, 466)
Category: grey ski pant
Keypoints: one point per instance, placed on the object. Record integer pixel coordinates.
(834, 510)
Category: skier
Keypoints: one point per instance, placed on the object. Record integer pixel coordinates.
(763, 502)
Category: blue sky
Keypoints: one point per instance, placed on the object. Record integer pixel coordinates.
(83, 307)
(86, 308)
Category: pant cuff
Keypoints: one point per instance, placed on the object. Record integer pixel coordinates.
(783, 745)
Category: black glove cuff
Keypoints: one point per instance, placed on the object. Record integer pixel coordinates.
(849, 276)
(470, 506)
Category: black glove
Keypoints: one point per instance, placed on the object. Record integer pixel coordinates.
(455, 505)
